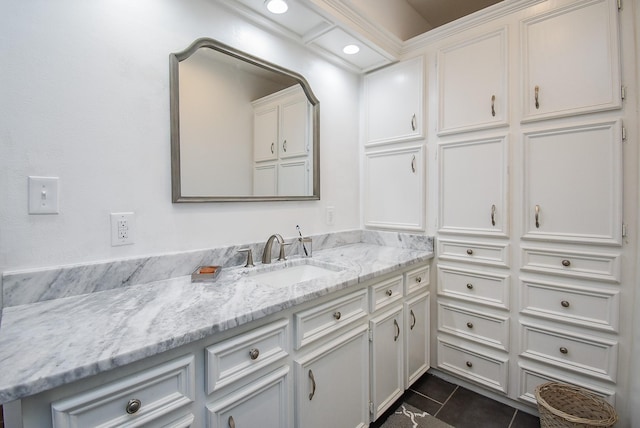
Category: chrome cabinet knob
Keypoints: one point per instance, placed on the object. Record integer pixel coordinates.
(565, 304)
(470, 286)
(469, 325)
(564, 350)
(254, 353)
(133, 406)
(469, 251)
(337, 315)
(566, 263)
(469, 364)
(418, 279)
(389, 293)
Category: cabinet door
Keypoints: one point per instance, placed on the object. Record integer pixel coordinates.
(265, 134)
(416, 314)
(393, 102)
(332, 383)
(262, 403)
(294, 136)
(265, 180)
(394, 189)
(473, 97)
(573, 184)
(473, 187)
(387, 360)
(293, 178)
(571, 60)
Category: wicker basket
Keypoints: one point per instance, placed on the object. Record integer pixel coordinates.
(563, 405)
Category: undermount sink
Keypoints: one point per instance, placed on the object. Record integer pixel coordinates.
(287, 274)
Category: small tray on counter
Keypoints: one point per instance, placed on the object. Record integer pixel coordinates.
(206, 273)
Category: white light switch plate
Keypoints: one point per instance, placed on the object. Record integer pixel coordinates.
(43, 195)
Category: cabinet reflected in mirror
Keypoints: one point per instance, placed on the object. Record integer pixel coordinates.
(242, 129)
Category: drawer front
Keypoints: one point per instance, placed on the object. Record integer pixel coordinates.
(585, 307)
(490, 371)
(581, 354)
(530, 378)
(474, 252)
(244, 354)
(487, 329)
(139, 399)
(386, 293)
(416, 280)
(484, 288)
(600, 267)
(317, 322)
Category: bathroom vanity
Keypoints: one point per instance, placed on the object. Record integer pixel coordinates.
(335, 350)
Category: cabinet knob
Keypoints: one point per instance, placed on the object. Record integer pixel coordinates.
(565, 303)
(566, 263)
(254, 353)
(337, 315)
(133, 406)
(470, 286)
(469, 325)
(564, 350)
(418, 279)
(469, 251)
(232, 423)
(389, 293)
(469, 364)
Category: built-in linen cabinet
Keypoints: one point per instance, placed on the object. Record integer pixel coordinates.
(416, 324)
(570, 60)
(473, 83)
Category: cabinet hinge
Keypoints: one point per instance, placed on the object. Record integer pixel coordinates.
(370, 335)
(624, 134)
(623, 92)
(371, 407)
(624, 230)
(619, 4)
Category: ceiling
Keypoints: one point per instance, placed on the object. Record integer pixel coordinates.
(440, 12)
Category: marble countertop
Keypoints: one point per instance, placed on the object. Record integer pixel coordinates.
(50, 343)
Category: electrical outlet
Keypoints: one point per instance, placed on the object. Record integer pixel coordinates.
(122, 229)
(330, 216)
(43, 195)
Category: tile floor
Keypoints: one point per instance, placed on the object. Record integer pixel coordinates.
(461, 407)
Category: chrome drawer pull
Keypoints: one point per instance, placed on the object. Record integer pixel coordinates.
(133, 406)
(469, 325)
(564, 350)
(413, 319)
(565, 304)
(313, 385)
(493, 215)
(566, 263)
(469, 251)
(253, 353)
(395, 339)
(284, 146)
(272, 147)
(537, 90)
(493, 105)
(537, 216)
(232, 423)
(413, 123)
(389, 293)
(470, 286)
(413, 164)
(337, 315)
(469, 364)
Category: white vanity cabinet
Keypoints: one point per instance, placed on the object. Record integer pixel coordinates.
(571, 61)
(394, 100)
(473, 83)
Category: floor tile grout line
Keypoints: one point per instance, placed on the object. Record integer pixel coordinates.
(446, 401)
(426, 396)
(513, 418)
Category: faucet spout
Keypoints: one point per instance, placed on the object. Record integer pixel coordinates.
(266, 254)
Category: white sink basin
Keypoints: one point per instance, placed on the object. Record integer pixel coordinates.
(287, 275)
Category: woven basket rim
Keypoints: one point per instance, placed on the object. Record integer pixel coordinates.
(612, 419)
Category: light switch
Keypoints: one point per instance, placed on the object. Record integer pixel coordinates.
(43, 195)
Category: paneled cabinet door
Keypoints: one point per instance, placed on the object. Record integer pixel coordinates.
(416, 314)
(265, 134)
(472, 84)
(394, 97)
(294, 136)
(573, 184)
(387, 360)
(474, 187)
(332, 383)
(571, 62)
(394, 189)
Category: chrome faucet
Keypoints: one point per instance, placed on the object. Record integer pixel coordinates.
(266, 255)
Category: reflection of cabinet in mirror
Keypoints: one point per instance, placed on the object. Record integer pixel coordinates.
(281, 151)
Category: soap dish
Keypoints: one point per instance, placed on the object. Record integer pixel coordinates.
(205, 273)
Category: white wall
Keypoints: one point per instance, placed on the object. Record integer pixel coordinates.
(85, 97)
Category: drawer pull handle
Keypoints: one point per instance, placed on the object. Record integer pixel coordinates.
(566, 263)
(537, 216)
(389, 293)
(493, 215)
(469, 251)
(470, 286)
(413, 164)
(253, 353)
(469, 364)
(418, 279)
(536, 91)
(284, 146)
(413, 123)
(133, 406)
(232, 423)
(565, 303)
(493, 105)
(272, 148)
(413, 319)
(470, 325)
(564, 350)
(313, 385)
(395, 338)
(337, 315)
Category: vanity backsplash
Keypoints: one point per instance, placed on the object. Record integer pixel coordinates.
(24, 287)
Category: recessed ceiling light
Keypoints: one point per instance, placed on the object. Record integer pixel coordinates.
(277, 6)
(351, 49)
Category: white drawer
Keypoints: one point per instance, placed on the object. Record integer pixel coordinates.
(386, 293)
(136, 400)
(530, 378)
(596, 266)
(479, 287)
(490, 371)
(474, 252)
(585, 307)
(416, 280)
(585, 355)
(244, 354)
(490, 330)
(317, 322)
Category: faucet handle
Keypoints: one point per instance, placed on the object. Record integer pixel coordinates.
(282, 256)
(249, 256)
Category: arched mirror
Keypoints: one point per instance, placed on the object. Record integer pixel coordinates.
(242, 129)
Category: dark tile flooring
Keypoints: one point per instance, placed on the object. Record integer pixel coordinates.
(461, 407)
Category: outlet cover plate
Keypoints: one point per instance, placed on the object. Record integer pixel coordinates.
(122, 229)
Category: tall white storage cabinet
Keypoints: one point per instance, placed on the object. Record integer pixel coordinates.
(530, 215)
(394, 154)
